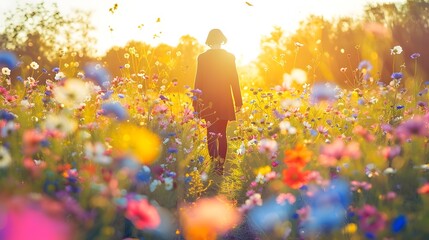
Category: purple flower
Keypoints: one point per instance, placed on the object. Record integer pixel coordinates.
(114, 109)
(197, 91)
(415, 55)
(56, 69)
(8, 59)
(370, 220)
(416, 126)
(397, 75)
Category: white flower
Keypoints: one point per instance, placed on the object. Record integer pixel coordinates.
(59, 76)
(286, 127)
(127, 66)
(5, 158)
(168, 183)
(242, 149)
(34, 65)
(96, 152)
(26, 104)
(297, 75)
(73, 93)
(298, 44)
(153, 185)
(5, 71)
(396, 50)
(60, 123)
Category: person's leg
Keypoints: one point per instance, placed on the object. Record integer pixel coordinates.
(212, 142)
(223, 145)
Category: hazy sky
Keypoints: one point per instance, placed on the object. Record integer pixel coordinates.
(242, 24)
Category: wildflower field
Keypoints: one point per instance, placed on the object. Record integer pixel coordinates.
(331, 141)
(87, 155)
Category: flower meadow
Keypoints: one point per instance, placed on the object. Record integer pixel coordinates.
(87, 155)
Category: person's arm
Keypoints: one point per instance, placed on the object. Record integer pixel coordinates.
(235, 86)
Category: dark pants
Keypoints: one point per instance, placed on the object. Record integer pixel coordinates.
(216, 139)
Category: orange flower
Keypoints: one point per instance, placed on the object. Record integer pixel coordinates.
(297, 157)
(208, 217)
(294, 177)
(424, 189)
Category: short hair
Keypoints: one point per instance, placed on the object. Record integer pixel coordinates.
(215, 37)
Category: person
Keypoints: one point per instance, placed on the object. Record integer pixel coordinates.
(215, 78)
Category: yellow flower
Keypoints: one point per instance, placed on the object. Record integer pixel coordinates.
(263, 170)
(350, 228)
(143, 144)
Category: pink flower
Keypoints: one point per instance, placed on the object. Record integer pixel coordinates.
(25, 219)
(31, 141)
(359, 130)
(390, 153)
(355, 185)
(283, 197)
(370, 220)
(142, 214)
(330, 154)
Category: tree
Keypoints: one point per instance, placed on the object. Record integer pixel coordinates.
(40, 32)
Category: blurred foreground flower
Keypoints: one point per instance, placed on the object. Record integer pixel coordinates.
(271, 214)
(114, 109)
(138, 142)
(39, 218)
(328, 208)
(208, 217)
(72, 93)
(96, 73)
(8, 59)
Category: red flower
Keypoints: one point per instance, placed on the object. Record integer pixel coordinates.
(294, 177)
(142, 214)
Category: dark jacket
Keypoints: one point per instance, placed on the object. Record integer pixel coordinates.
(216, 77)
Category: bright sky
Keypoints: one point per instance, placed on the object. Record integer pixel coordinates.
(242, 24)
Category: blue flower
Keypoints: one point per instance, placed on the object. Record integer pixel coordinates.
(400, 107)
(397, 75)
(172, 150)
(144, 175)
(365, 64)
(19, 78)
(56, 69)
(97, 74)
(114, 109)
(5, 115)
(8, 59)
(323, 92)
(266, 217)
(107, 95)
(120, 95)
(328, 207)
(399, 223)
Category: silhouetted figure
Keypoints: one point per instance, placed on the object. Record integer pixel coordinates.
(216, 77)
